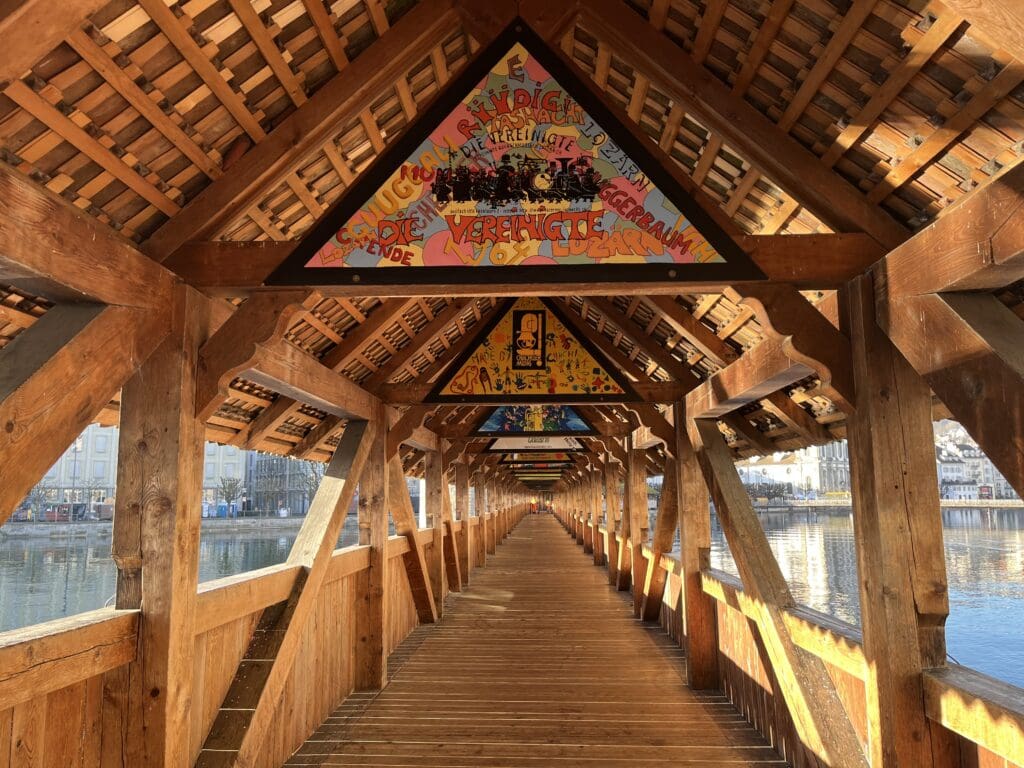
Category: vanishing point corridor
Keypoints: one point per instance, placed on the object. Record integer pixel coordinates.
(539, 663)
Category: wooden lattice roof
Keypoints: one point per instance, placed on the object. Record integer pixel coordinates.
(244, 121)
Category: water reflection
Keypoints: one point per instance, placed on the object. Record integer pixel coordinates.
(984, 561)
(46, 578)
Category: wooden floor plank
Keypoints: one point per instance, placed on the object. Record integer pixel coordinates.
(516, 676)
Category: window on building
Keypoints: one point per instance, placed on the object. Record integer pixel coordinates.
(230, 469)
(99, 470)
(75, 468)
(101, 443)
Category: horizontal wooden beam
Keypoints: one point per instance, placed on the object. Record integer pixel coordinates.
(835, 643)
(983, 710)
(50, 248)
(809, 262)
(763, 369)
(646, 392)
(57, 654)
(975, 245)
(286, 369)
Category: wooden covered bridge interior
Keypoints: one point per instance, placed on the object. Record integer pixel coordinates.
(164, 161)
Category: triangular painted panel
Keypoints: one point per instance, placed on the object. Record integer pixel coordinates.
(527, 354)
(518, 173)
(534, 420)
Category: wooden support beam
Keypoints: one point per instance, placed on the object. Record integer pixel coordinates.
(306, 129)
(665, 527)
(968, 347)
(466, 543)
(700, 624)
(763, 369)
(694, 331)
(975, 245)
(806, 335)
(999, 20)
(450, 543)
(797, 418)
(155, 541)
(435, 489)
(244, 721)
(743, 127)
(810, 695)
(898, 530)
(406, 426)
(639, 522)
(236, 345)
(423, 595)
(613, 515)
(371, 659)
(57, 654)
(284, 368)
(35, 231)
(808, 262)
(30, 30)
(57, 375)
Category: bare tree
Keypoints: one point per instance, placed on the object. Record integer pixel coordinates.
(230, 489)
(38, 496)
(312, 474)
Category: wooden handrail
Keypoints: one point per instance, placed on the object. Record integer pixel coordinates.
(982, 709)
(46, 657)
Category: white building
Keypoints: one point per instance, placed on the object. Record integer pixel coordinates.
(816, 470)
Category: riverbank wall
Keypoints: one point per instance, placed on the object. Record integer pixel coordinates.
(103, 528)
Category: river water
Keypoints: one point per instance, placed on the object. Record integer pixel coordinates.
(47, 578)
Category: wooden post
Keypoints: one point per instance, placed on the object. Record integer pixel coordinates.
(586, 514)
(491, 530)
(664, 531)
(156, 542)
(613, 513)
(462, 509)
(898, 529)
(700, 624)
(810, 695)
(624, 569)
(636, 490)
(433, 474)
(371, 671)
(416, 567)
(594, 489)
(480, 502)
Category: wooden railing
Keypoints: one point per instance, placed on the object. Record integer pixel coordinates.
(984, 715)
(55, 678)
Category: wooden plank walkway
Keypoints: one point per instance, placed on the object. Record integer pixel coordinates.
(539, 664)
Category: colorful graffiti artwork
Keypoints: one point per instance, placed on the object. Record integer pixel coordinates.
(535, 443)
(569, 368)
(534, 419)
(517, 165)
